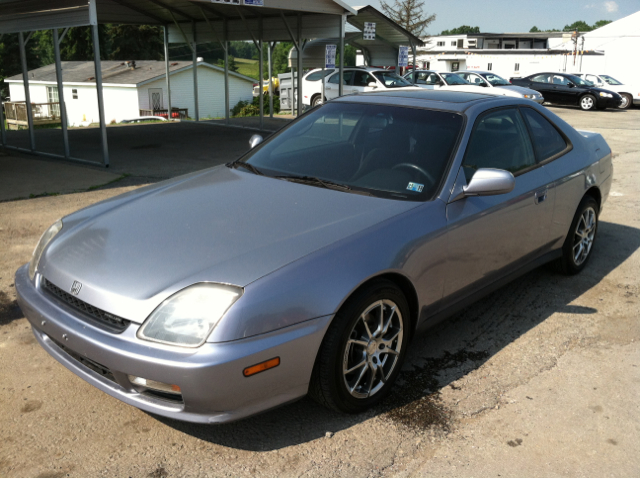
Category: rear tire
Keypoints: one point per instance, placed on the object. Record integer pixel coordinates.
(578, 246)
(316, 100)
(627, 101)
(587, 103)
(363, 350)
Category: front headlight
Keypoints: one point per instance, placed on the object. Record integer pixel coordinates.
(46, 237)
(606, 95)
(188, 317)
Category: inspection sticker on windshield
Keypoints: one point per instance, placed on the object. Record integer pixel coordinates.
(415, 187)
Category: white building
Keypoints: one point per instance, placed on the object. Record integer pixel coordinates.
(611, 49)
(132, 86)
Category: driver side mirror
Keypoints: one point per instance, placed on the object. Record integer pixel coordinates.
(372, 85)
(255, 140)
(484, 84)
(487, 182)
(571, 85)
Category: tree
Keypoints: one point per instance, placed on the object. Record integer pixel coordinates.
(461, 30)
(601, 23)
(135, 42)
(579, 25)
(534, 29)
(409, 14)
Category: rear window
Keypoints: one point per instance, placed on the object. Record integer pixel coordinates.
(547, 141)
(315, 76)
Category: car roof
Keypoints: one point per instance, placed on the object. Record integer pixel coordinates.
(455, 101)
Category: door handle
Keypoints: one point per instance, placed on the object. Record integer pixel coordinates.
(540, 196)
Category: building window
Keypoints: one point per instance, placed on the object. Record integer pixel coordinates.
(426, 65)
(74, 94)
(517, 68)
(455, 66)
(441, 44)
(490, 66)
(454, 43)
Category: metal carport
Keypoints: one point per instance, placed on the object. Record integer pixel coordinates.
(184, 21)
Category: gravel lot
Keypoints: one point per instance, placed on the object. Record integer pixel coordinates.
(542, 378)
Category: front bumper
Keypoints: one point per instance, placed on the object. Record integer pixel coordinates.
(604, 102)
(210, 377)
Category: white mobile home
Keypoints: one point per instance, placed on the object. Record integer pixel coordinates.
(131, 87)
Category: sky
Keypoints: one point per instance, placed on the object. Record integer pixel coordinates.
(507, 16)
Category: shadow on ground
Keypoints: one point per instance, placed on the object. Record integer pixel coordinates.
(439, 357)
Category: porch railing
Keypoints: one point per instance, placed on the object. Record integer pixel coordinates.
(15, 112)
(176, 113)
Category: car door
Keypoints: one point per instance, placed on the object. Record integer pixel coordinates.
(361, 81)
(332, 89)
(491, 236)
(562, 92)
(541, 83)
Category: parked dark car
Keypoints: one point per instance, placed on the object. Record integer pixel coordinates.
(567, 89)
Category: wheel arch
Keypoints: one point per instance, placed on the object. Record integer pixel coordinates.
(595, 193)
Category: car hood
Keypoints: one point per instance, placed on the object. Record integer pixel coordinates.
(221, 225)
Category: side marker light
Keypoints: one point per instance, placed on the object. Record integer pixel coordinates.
(258, 368)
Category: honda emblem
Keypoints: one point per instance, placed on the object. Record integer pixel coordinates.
(75, 288)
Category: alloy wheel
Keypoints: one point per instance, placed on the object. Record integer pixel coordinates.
(373, 349)
(625, 102)
(583, 236)
(587, 103)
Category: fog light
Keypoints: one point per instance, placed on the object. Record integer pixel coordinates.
(155, 385)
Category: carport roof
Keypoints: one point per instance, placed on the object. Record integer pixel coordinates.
(28, 15)
(387, 31)
(113, 72)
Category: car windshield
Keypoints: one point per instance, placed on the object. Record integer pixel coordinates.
(495, 80)
(579, 81)
(610, 80)
(453, 79)
(386, 151)
(391, 80)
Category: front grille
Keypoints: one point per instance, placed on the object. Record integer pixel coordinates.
(103, 371)
(100, 317)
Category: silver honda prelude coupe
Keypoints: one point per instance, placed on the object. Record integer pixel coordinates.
(307, 265)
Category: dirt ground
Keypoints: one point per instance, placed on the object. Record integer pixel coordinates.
(542, 378)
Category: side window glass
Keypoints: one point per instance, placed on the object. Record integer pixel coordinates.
(559, 80)
(499, 140)
(546, 139)
(348, 76)
(334, 79)
(540, 79)
(433, 79)
(362, 79)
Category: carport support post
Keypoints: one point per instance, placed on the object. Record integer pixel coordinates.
(261, 77)
(61, 103)
(98, 68)
(300, 46)
(194, 50)
(341, 80)
(413, 77)
(226, 72)
(166, 69)
(270, 68)
(27, 94)
(3, 133)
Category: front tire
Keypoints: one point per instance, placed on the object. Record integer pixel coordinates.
(627, 101)
(578, 245)
(587, 103)
(363, 350)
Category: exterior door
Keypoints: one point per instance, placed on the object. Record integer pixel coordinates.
(54, 101)
(155, 99)
(332, 87)
(563, 92)
(491, 236)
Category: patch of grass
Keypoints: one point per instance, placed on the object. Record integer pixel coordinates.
(43, 194)
(248, 67)
(115, 180)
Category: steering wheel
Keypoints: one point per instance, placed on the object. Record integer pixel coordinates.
(412, 166)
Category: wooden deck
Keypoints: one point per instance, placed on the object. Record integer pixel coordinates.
(16, 116)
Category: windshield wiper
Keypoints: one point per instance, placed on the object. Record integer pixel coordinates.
(244, 164)
(315, 181)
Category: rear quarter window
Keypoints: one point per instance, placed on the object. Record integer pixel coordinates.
(547, 141)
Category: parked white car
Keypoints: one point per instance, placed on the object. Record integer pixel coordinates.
(496, 85)
(439, 80)
(355, 80)
(630, 93)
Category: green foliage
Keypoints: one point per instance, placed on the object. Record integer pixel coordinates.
(233, 66)
(579, 25)
(245, 108)
(135, 42)
(461, 30)
(601, 23)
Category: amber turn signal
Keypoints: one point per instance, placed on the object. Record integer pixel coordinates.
(258, 368)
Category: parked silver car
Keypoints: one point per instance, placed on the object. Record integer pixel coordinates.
(307, 265)
(496, 85)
